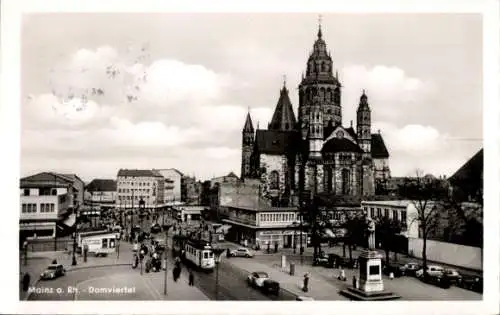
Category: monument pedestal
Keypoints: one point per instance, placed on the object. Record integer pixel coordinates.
(371, 285)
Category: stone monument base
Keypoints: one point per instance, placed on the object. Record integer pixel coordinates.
(360, 295)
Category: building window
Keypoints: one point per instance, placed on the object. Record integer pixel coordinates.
(54, 192)
(25, 208)
(379, 212)
(372, 212)
(274, 180)
(395, 215)
(26, 192)
(52, 206)
(386, 213)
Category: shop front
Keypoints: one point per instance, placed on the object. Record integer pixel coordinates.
(283, 238)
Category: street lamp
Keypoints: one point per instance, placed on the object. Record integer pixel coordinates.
(166, 227)
(217, 256)
(73, 263)
(142, 206)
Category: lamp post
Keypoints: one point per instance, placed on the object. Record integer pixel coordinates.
(73, 262)
(166, 227)
(142, 206)
(217, 255)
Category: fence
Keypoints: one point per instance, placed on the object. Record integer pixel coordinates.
(48, 245)
(448, 253)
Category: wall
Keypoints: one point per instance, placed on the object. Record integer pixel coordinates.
(172, 190)
(448, 253)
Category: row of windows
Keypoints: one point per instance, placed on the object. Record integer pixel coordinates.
(33, 207)
(47, 207)
(137, 190)
(277, 217)
(123, 198)
(396, 215)
(136, 184)
(42, 192)
(329, 111)
(29, 208)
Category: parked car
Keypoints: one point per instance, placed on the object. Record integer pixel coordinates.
(454, 276)
(271, 287)
(411, 268)
(321, 260)
(257, 278)
(156, 228)
(469, 282)
(438, 279)
(397, 269)
(433, 270)
(304, 298)
(241, 252)
(52, 272)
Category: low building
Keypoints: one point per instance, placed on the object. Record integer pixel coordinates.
(257, 224)
(173, 181)
(47, 204)
(135, 185)
(402, 210)
(101, 193)
(188, 213)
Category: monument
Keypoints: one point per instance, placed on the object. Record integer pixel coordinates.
(371, 284)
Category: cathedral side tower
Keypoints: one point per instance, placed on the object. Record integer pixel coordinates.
(363, 126)
(319, 83)
(247, 145)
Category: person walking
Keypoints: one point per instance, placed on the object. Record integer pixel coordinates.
(191, 278)
(305, 288)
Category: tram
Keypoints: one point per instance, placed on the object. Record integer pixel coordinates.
(197, 253)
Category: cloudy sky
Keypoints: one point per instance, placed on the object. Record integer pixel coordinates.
(108, 91)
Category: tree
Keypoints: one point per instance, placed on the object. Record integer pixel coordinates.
(356, 232)
(425, 194)
(386, 230)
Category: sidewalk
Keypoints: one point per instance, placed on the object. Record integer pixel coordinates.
(319, 289)
(176, 291)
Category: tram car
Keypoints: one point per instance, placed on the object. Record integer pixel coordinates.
(178, 245)
(200, 254)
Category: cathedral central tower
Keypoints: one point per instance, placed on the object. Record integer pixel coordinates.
(319, 85)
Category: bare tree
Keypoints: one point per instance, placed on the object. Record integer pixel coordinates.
(426, 194)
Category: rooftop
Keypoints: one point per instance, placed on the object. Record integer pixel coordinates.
(138, 173)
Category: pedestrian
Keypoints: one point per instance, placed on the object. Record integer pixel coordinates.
(26, 281)
(191, 278)
(276, 247)
(305, 288)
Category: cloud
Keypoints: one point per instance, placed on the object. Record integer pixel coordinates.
(391, 92)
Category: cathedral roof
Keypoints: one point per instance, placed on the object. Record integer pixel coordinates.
(283, 118)
(379, 150)
(351, 131)
(340, 145)
(276, 141)
(248, 124)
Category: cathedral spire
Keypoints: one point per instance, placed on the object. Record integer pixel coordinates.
(283, 117)
(320, 19)
(248, 123)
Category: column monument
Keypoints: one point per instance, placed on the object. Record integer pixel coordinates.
(371, 285)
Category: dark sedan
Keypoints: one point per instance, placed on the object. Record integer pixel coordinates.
(271, 287)
(52, 272)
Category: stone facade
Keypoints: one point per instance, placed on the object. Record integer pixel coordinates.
(270, 165)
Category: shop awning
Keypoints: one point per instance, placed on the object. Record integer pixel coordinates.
(70, 221)
(224, 228)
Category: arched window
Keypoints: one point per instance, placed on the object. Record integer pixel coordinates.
(345, 182)
(329, 179)
(274, 180)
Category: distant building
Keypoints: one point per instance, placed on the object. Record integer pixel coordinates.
(135, 185)
(191, 190)
(101, 192)
(47, 204)
(173, 183)
(229, 178)
(467, 182)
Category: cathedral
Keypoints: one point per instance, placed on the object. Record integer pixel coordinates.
(314, 152)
